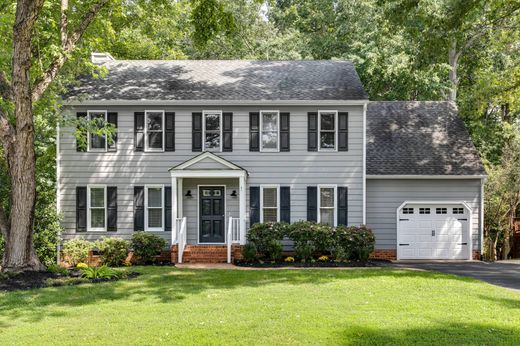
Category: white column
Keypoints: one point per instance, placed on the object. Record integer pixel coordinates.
(242, 205)
(174, 210)
(180, 197)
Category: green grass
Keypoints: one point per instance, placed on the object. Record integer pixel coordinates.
(283, 307)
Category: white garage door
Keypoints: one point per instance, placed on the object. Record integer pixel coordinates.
(433, 232)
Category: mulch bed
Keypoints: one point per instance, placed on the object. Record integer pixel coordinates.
(317, 264)
(29, 280)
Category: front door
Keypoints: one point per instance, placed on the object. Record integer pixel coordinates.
(211, 216)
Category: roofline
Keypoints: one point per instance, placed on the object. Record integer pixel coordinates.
(214, 102)
(410, 176)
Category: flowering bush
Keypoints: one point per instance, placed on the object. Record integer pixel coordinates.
(76, 250)
(113, 250)
(81, 265)
(289, 259)
(267, 238)
(353, 242)
(323, 258)
(308, 234)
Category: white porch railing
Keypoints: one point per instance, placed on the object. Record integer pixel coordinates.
(233, 235)
(180, 226)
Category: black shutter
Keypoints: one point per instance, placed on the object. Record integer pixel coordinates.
(254, 131)
(342, 131)
(139, 131)
(227, 131)
(342, 206)
(138, 208)
(196, 132)
(111, 208)
(81, 208)
(112, 119)
(285, 204)
(285, 141)
(83, 133)
(312, 131)
(168, 209)
(169, 131)
(254, 205)
(312, 203)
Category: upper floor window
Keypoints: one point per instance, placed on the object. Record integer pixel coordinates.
(270, 127)
(212, 134)
(97, 142)
(154, 130)
(327, 128)
(327, 205)
(154, 207)
(96, 202)
(270, 203)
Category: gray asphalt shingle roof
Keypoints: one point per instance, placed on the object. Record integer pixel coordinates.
(223, 80)
(419, 138)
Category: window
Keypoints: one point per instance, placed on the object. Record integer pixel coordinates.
(327, 126)
(270, 199)
(212, 127)
(154, 208)
(424, 210)
(154, 130)
(441, 210)
(327, 205)
(270, 127)
(407, 210)
(458, 210)
(97, 201)
(97, 142)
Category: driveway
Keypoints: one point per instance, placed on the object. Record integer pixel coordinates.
(502, 273)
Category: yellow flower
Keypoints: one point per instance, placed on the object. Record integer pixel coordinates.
(289, 259)
(81, 265)
(323, 258)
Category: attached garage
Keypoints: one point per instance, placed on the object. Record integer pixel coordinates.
(434, 230)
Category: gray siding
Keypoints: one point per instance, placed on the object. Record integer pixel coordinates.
(384, 196)
(126, 168)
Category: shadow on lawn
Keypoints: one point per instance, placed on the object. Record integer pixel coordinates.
(169, 285)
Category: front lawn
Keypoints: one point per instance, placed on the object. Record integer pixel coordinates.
(272, 307)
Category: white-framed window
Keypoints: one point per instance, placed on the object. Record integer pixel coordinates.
(441, 210)
(328, 130)
(327, 204)
(270, 131)
(424, 210)
(458, 210)
(212, 130)
(97, 208)
(96, 142)
(154, 130)
(154, 208)
(407, 210)
(269, 203)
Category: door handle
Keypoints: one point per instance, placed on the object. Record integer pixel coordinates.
(433, 233)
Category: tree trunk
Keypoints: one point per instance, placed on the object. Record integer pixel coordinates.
(453, 62)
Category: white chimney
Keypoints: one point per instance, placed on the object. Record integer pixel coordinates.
(101, 58)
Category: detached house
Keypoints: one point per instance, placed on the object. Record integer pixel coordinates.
(205, 149)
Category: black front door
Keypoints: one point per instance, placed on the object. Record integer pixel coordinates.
(211, 219)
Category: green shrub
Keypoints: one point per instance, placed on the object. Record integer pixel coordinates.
(355, 243)
(57, 269)
(304, 250)
(307, 234)
(113, 251)
(146, 246)
(102, 272)
(267, 238)
(249, 252)
(364, 241)
(76, 250)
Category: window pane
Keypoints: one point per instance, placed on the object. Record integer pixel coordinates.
(270, 197)
(97, 197)
(97, 142)
(155, 197)
(327, 216)
(327, 197)
(327, 121)
(154, 121)
(269, 122)
(327, 140)
(270, 140)
(212, 121)
(155, 140)
(155, 218)
(270, 215)
(212, 140)
(97, 218)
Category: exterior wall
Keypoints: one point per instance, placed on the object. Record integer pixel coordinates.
(384, 196)
(126, 168)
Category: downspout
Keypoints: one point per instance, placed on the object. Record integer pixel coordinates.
(364, 209)
(58, 204)
(481, 217)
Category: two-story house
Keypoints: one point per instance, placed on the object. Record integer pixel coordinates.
(205, 149)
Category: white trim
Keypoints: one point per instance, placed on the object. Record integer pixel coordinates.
(481, 216)
(204, 112)
(404, 176)
(153, 229)
(89, 217)
(198, 213)
(242, 184)
(58, 202)
(96, 150)
(151, 150)
(335, 131)
(329, 186)
(118, 102)
(364, 203)
(209, 174)
(277, 130)
(270, 186)
(203, 156)
(463, 203)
